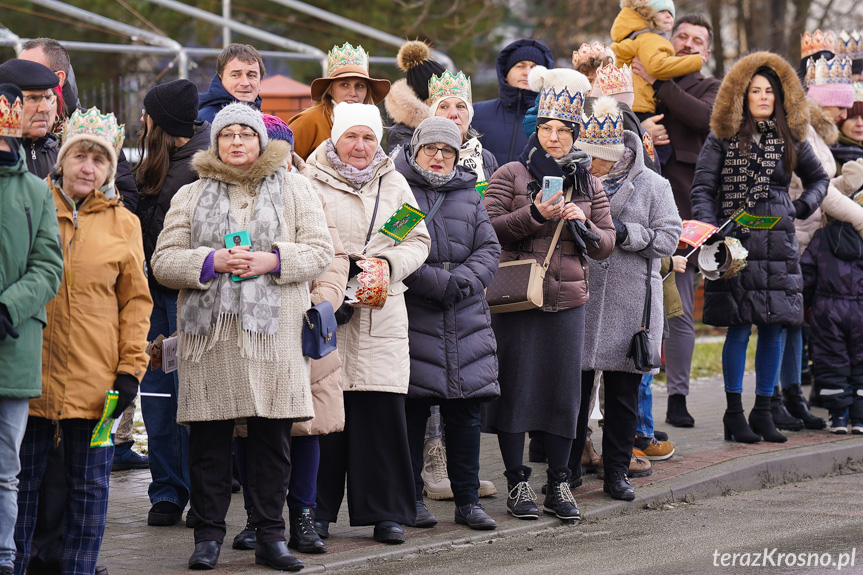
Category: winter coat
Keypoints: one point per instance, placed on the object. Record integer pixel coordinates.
(152, 209)
(373, 345)
(499, 121)
(521, 236)
(311, 127)
(41, 155)
(31, 267)
(644, 203)
(223, 384)
(833, 289)
(822, 134)
(686, 103)
(216, 98)
(452, 345)
(768, 290)
(636, 32)
(326, 373)
(98, 323)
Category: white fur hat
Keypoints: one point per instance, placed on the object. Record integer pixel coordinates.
(346, 116)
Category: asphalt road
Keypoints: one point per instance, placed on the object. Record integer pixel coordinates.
(807, 528)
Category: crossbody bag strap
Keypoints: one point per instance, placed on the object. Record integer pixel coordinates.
(374, 212)
(645, 318)
(435, 207)
(556, 234)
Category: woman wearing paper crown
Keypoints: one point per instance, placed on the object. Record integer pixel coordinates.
(540, 349)
(849, 147)
(759, 126)
(347, 80)
(95, 338)
(452, 346)
(239, 318)
(367, 197)
(647, 228)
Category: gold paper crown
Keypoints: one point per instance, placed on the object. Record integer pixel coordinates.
(648, 145)
(858, 91)
(849, 45)
(606, 130)
(613, 80)
(823, 71)
(448, 85)
(10, 118)
(817, 42)
(344, 56)
(92, 123)
(561, 105)
(595, 50)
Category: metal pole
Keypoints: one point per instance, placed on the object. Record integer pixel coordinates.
(357, 27)
(226, 14)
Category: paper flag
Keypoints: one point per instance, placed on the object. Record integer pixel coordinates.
(696, 233)
(481, 187)
(102, 434)
(756, 222)
(400, 224)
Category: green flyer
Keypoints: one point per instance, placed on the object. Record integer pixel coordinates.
(102, 433)
(481, 187)
(400, 224)
(756, 222)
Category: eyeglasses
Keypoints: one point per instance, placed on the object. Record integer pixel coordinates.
(244, 136)
(547, 131)
(37, 99)
(431, 150)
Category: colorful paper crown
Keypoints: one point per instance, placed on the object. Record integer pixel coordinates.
(647, 140)
(346, 56)
(605, 131)
(613, 80)
(10, 118)
(849, 45)
(91, 124)
(594, 50)
(448, 85)
(824, 72)
(817, 42)
(561, 105)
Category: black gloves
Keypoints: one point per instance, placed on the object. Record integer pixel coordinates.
(354, 269)
(620, 231)
(582, 236)
(127, 386)
(344, 313)
(6, 327)
(801, 209)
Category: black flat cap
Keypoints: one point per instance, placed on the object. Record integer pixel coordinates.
(28, 75)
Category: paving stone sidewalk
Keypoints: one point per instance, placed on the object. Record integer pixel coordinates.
(704, 465)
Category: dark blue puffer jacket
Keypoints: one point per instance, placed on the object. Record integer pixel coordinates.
(499, 121)
(216, 98)
(452, 346)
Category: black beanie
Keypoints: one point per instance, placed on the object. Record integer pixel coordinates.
(414, 59)
(173, 107)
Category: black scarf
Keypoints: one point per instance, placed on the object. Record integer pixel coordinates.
(540, 164)
(745, 176)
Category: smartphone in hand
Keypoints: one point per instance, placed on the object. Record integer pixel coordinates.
(235, 240)
(550, 186)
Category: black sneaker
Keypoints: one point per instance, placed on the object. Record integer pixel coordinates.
(474, 516)
(164, 514)
(125, 458)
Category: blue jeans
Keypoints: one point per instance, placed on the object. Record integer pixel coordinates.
(792, 356)
(87, 472)
(768, 356)
(168, 440)
(644, 426)
(13, 421)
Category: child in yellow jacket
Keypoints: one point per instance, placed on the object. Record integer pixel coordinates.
(641, 30)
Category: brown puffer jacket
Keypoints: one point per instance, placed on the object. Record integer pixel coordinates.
(521, 236)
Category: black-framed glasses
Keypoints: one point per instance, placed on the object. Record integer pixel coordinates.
(431, 150)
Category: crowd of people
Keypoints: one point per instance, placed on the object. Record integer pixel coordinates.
(234, 223)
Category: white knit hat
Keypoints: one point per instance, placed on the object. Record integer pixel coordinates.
(602, 134)
(346, 116)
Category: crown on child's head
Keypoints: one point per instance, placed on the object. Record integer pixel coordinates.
(817, 42)
(613, 80)
(10, 118)
(594, 50)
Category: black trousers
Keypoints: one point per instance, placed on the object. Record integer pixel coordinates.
(461, 420)
(268, 465)
(620, 415)
(372, 454)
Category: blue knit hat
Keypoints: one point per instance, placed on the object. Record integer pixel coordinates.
(660, 5)
(529, 53)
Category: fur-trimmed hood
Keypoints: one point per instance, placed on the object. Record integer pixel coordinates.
(728, 110)
(208, 165)
(403, 105)
(823, 123)
(634, 15)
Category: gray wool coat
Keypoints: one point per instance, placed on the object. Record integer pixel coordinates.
(645, 204)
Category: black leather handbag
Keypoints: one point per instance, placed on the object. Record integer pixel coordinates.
(645, 355)
(319, 330)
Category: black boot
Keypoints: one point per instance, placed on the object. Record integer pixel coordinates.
(617, 485)
(521, 500)
(277, 556)
(246, 539)
(559, 500)
(761, 421)
(797, 406)
(734, 422)
(303, 536)
(781, 417)
(677, 415)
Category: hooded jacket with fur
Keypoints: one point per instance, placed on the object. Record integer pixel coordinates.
(769, 289)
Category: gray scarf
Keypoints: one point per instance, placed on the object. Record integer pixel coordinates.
(253, 304)
(435, 179)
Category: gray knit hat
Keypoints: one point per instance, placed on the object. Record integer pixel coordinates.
(238, 113)
(434, 130)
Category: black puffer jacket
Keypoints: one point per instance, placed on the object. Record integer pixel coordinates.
(769, 289)
(452, 345)
(152, 209)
